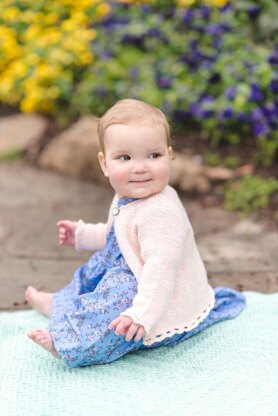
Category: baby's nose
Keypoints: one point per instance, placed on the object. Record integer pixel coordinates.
(139, 167)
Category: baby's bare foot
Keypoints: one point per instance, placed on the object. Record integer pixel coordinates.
(41, 301)
(43, 338)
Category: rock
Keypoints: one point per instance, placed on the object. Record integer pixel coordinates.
(218, 173)
(74, 151)
(244, 170)
(188, 175)
(245, 247)
(19, 132)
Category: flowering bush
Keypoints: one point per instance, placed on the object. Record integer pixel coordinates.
(44, 48)
(204, 65)
(193, 63)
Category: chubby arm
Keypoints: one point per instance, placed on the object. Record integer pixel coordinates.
(162, 240)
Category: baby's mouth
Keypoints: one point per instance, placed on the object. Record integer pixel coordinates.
(140, 181)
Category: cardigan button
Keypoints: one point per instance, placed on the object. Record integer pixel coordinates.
(115, 211)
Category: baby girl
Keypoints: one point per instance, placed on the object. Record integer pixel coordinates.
(145, 285)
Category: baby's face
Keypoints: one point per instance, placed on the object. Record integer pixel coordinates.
(136, 160)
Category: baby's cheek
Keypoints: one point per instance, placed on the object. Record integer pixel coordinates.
(119, 177)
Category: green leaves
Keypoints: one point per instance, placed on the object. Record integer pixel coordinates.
(249, 193)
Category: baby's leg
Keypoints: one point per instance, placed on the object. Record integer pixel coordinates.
(43, 338)
(41, 301)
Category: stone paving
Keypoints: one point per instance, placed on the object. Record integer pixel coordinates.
(239, 254)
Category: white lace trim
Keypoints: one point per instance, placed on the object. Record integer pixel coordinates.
(181, 329)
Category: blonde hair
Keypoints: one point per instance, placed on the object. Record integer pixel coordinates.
(129, 111)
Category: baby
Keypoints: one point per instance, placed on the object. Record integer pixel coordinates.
(145, 285)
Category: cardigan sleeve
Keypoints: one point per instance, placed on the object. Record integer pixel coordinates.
(161, 237)
(93, 237)
(90, 237)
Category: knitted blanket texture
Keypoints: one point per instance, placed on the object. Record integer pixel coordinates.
(229, 369)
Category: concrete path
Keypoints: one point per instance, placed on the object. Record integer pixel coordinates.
(239, 254)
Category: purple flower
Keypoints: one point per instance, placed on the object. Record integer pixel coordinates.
(188, 16)
(217, 42)
(227, 113)
(228, 6)
(275, 108)
(274, 86)
(196, 110)
(204, 98)
(257, 115)
(244, 117)
(163, 81)
(213, 29)
(206, 113)
(192, 58)
(253, 11)
(256, 93)
(207, 64)
(230, 93)
(217, 29)
(205, 12)
(101, 91)
(146, 9)
(260, 129)
(273, 59)
(137, 40)
(105, 55)
(154, 33)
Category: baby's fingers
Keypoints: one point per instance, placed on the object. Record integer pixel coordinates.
(139, 334)
(114, 323)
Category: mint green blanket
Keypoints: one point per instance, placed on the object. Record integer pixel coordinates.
(229, 369)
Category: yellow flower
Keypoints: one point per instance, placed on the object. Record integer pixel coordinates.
(218, 3)
(32, 58)
(11, 14)
(50, 18)
(19, 69)
(68, 25)
(6, 86)
(84, 59)
(31, 33)
(102, 10)
(185, 3)
(28, 105)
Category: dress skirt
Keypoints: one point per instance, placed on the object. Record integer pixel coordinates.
(100, 290)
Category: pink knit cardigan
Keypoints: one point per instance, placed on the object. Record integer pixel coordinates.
(157, 241)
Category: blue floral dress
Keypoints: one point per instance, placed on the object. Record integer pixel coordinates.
(100, 290)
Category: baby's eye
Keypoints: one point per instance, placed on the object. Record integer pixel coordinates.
(154, 155)
(124, 157)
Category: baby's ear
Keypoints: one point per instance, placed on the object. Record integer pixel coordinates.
(102, 162)
(170, 152)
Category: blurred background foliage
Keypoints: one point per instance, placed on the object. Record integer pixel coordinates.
(211, 66)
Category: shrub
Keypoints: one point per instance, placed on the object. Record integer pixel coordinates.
(204, 65)
(197, 64)
(249, 193)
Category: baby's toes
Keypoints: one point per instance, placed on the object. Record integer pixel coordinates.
(33, 334)
(30, 291)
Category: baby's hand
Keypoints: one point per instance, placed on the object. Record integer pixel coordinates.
(66, 232)
(125, 325)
